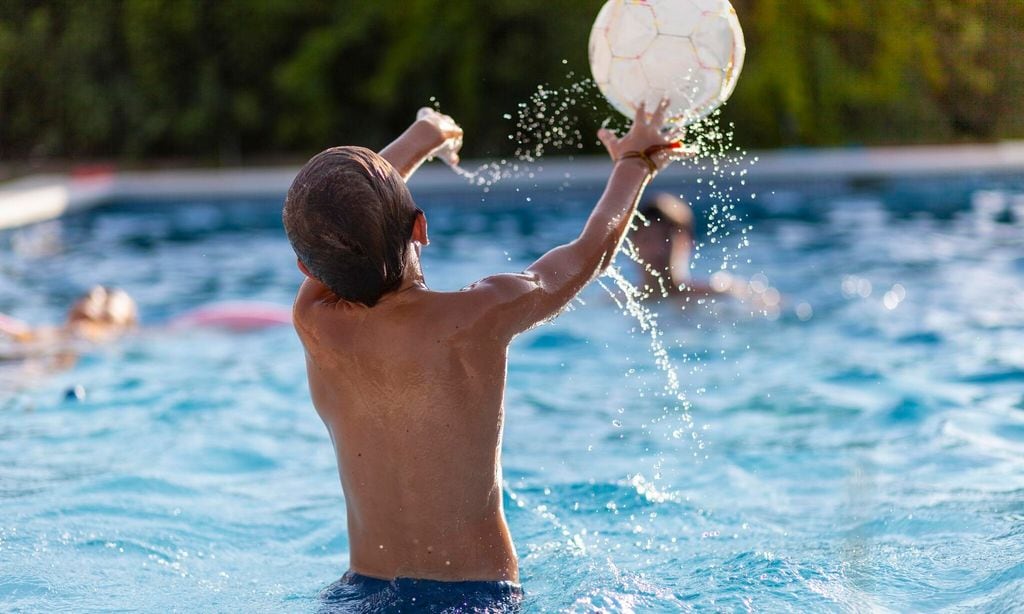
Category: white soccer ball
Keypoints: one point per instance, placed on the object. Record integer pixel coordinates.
(690, 51)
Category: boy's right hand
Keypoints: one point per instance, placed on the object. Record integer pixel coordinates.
(646, 135)
(432, 134)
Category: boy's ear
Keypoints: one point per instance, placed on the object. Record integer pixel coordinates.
(419, 229)
(303, 268)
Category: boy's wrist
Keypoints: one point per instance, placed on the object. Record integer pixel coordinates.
(635, 166)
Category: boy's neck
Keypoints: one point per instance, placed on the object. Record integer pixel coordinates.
(413, 277)
(413, 272)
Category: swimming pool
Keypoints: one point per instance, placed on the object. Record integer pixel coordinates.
(865, 455)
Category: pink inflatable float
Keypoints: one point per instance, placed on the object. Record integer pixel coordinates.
(241, 316)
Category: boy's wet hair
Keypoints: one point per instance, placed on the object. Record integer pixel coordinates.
(349, 217)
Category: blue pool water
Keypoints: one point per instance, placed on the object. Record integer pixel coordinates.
(864, 459)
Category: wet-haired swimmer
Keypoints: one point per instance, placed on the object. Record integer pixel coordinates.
(99, 315)
(664, 241)
(410, 382)
(103, 315)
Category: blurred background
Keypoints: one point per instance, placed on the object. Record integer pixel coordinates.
(233, 82)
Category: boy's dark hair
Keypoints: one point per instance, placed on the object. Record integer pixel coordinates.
(349, 217)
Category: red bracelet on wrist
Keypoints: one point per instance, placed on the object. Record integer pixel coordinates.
(646, 154)
(651, 166)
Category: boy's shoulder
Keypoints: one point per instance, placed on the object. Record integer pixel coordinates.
(489, 291)
(503, 288)
(311, 294)
(491, 307)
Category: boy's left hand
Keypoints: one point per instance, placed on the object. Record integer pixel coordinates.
(442, 133)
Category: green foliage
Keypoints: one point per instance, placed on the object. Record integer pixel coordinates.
(227, 80)
(834, 71)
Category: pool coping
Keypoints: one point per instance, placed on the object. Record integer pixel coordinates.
(44, 197)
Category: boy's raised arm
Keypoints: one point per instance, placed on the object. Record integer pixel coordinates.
(548, 285)
(420, 140)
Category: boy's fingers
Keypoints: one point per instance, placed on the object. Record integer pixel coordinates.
(607, 138)
(641, 113)
(659, 113)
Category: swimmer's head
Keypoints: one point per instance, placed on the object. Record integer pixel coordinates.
(667, 236)
(103, 312)
(669, 212)
(351, 220)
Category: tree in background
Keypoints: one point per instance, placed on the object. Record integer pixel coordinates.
(233, 80)
(876, 71)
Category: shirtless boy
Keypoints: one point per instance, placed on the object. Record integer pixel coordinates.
(410, 382)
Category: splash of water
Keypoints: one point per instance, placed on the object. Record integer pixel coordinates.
(550, 120)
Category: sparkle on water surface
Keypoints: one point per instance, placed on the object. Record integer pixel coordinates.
(863, 452)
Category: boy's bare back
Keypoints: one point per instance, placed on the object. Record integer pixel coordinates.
(410, 382)
(411, 392)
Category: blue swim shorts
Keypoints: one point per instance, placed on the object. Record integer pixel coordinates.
(364, 595)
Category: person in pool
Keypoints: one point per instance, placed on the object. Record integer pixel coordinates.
(664, 241)
(409, 381)
(104, 314)
(99, 315)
